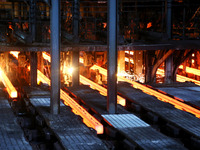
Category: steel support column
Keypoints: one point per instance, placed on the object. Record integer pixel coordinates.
(169, 69)
(55, 56)
(169, 19)
(33, 68)
(75, 65)
(148, 67)
(76, 21)
(32, 20)
(112, 57)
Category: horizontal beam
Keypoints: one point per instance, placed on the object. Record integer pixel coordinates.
(177, 45)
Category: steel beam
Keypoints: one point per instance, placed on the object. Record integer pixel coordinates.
(75, 65)
(33, 68)
(169, 19)
(55, 56)
(112, 57)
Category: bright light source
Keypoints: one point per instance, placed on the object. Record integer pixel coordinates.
(15, 53)
(70, 70)
(88, 119)
(192, 61)
(46, 56)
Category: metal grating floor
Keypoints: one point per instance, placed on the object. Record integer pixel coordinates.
(125, 121)
(179, 118)
(132, 127)
(67, 126)
(11, 134)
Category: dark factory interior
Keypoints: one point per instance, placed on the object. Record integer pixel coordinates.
(99, 74)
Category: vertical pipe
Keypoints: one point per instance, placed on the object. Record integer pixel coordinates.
(169, 19)
(112, 57)
(33, 68)
(76, 21)
(75, 65)
(55, 56)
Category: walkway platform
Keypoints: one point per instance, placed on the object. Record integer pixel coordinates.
(182, 123)
(71, 132)
(133, 128)
(11, 134)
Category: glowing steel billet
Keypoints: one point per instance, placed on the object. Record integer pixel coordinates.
(15, 53)
(89, 120)
(46, 56)
(9, 87)
(157, 94)
(179, 77)
(191, 70)
(92, 84)
(102, 90)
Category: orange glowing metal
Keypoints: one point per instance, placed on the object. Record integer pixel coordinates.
(93, 85)
(127, 60)
(102, 90)
(179, 77)
(9, 87)
(89, 120)
(46, 56)
(149, 25)
(159, 95)
(191, 70)
(15, 53)
(81, 60)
